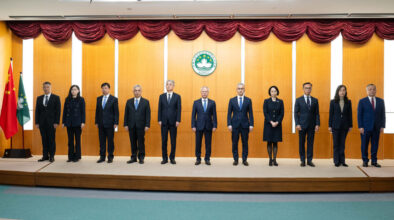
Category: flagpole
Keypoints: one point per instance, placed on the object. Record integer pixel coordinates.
(12, 67)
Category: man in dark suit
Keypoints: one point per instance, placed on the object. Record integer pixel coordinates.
(307, 120)
(169, 118)
(204, 121)
(137, 122)
(107, 119)
(371, 122)
(240, 122)
(47, 119)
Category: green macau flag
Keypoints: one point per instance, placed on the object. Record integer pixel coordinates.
(22, 112)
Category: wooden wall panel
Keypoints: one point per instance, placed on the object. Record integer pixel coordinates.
(362, 64)
(268, 63)
(98, 66)
(222, 85)
(314, 65)
(52, 62)
(5, 54)
(141, 62)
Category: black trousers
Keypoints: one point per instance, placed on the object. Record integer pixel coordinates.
(373, 137)
(137, 141)
(339, 138)
(244, 132)
(164, 138)
(48, 133)
(208, 140)
(106, 135)
(74, 148)
(309, 134)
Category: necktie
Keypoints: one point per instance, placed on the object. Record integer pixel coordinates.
(136, 104)
(309, 101)
(169, 98)
(205, 105)
(46, 101)
(373, 103)
(104, 101)
(240, 102)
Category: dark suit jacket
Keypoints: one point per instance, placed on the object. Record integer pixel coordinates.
(74, 112)
(50, 114)
(237, 117)
(109, 116)
(139, 118)
(368, 118)
(273, 111)
(305, 116)
(340, 119)
(204, 120)
(169, 113)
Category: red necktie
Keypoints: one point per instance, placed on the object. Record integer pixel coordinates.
(373, 103)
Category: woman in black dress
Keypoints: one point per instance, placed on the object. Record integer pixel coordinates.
(273, 112)
(340, 122)
(74, 120)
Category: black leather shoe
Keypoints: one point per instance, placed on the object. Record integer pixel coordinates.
(311, 164)
(141, 162)
(245, 163)
(42, 159)
(235, 163)
(173, 161)
(52, 159)
(207, 162)
(274, 162)
(133, 160)
(302, 164)
(344, 164)
(164, 161)
(365, 164)
(376, 165)
(110, 160)
(100, 160)
(337, 164)
(197, 162)
(270, 163)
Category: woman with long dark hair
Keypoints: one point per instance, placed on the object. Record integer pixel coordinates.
(74, 120)
(340, 122)
(273, 112)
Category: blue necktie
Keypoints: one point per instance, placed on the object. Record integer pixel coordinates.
(104, 102)
(205, 105)
(240, 102)
(136, 104)
(309, 101)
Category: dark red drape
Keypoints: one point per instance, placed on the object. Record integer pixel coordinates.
(319, 31)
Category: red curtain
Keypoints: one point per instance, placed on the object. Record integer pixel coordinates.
(319, 31)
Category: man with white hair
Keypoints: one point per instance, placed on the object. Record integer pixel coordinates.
(240, 122)
(137, 122)
(371, 122)
(204, 121)
(169, 117)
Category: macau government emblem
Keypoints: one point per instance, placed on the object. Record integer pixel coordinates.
(204, 63)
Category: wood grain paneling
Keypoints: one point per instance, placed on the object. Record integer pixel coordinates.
(362, 64)
(222, 84)
(314, 65)
(52, 62)
(141, 62)
(98, 65)
(5, 54)
(268, 63)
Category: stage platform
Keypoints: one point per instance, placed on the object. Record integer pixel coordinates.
(221, 176)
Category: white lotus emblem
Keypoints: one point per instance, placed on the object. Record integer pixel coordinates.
(204, 63)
